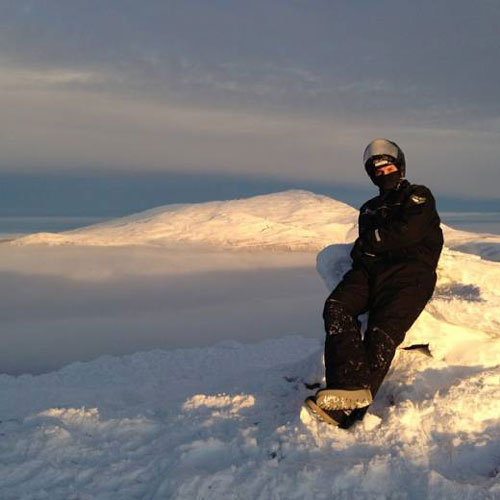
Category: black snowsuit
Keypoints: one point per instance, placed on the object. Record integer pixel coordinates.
(392, 278)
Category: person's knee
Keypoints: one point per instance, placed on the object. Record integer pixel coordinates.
(390, 332)
(337, 317)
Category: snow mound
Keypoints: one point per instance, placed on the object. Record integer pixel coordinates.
(467, 287)
(291, 220)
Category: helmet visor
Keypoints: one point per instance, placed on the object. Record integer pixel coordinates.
(380, 147)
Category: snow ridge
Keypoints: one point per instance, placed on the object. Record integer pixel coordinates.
(291, 220)
(294, 220)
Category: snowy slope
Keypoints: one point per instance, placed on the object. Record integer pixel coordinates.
(295, 220)
(226, 422)
(485, 245)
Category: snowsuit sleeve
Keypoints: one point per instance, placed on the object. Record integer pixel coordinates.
(405, 227)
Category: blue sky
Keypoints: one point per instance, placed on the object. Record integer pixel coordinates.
(284, 90)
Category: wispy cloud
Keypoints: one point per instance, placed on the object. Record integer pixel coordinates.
(19, 78)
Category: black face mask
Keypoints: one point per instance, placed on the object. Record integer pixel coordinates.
(387, 182)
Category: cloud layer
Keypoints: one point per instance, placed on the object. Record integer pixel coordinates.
(293, 89)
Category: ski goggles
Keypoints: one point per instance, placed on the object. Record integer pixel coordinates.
(375, 166)
(382, 161)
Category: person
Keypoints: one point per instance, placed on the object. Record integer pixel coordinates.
(392, 277)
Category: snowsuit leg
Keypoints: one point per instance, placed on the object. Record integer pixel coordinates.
(400, 294)
(345, 357)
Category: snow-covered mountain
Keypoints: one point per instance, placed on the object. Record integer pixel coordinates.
(225, 422)
(293, 220)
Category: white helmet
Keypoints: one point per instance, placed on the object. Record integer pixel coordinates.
(384, 149)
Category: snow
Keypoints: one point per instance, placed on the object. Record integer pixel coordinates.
(292, 220)
(224, 421)
(484, 245)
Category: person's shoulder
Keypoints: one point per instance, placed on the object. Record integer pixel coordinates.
(419, 194)
(369, 203)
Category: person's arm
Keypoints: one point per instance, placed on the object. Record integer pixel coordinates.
(357, 248)
(360, 252)
(407, 227)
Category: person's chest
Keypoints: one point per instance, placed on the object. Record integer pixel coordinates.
(381, 209)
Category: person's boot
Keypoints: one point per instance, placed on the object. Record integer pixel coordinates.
(332, 417)
(343, 399)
